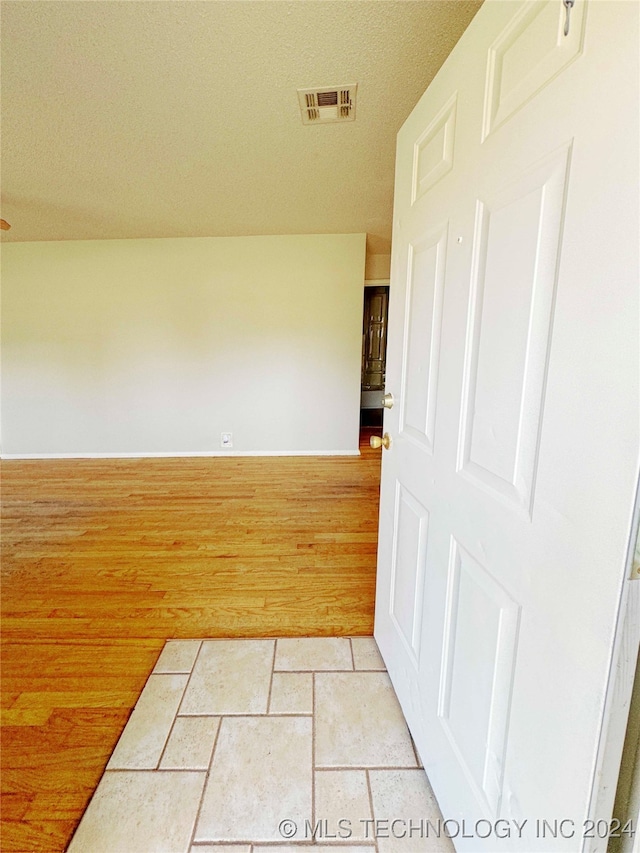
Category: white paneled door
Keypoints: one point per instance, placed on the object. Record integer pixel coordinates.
(508, 489)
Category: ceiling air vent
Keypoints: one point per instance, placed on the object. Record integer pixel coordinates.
(329, 104)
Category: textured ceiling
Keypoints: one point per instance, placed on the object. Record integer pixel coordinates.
(169, 118)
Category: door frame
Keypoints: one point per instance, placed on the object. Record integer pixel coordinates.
(617, 700)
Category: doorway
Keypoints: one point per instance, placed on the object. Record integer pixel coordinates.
(374, 356)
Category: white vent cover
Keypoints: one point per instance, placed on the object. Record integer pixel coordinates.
(328, 104)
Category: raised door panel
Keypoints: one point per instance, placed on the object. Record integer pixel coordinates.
(528, 54)
(411, 525)
(513, 281)
(476, 685)
(433, 150)
(423, 322)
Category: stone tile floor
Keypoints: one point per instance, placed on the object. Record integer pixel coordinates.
(264, 746)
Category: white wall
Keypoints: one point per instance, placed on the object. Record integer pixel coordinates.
(157, 346)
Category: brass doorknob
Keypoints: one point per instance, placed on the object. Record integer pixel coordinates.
(385, 441)
(387, 401)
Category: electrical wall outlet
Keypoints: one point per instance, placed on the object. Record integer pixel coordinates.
(226, 439)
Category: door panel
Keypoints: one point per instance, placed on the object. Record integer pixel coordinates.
(433, 150)
(425, 291)
(529, 53)
(479, 650)
(514, 272)
(411, 527)
(507, 493)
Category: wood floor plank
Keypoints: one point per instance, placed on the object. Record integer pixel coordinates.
(103, 560)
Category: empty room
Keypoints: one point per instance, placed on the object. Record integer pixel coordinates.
(320, 426)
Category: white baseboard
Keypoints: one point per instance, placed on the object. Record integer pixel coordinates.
(180, 454)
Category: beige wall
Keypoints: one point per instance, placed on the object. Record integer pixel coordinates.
(157, 346)
(377, 267)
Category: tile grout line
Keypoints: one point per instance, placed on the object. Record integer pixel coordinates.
(204, 786)
(415, 750)
(313, 749)
(175, 716)
(373, 814)
(239, 714)
(206, 775)
(273, 664)
(207, 716)
(166, 743)
(339, 769)
(322, 669)
(163, 770)
(213, 748)
(395, 767)
(353, 660)
(193, 666)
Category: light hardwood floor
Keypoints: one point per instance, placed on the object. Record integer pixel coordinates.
(103, 560)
